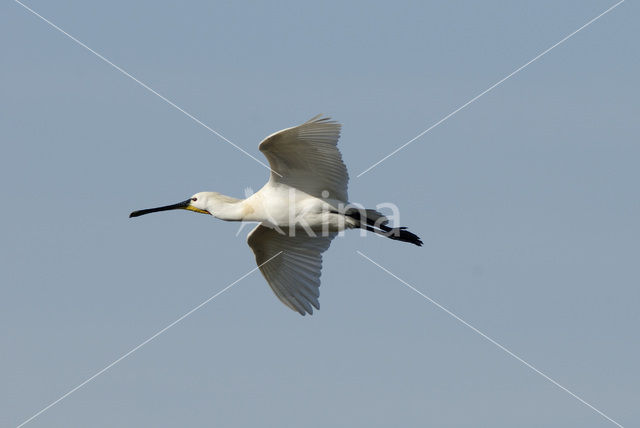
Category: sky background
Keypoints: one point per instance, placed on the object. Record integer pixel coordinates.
(527, 202)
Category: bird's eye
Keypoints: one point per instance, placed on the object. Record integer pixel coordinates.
(194, 199)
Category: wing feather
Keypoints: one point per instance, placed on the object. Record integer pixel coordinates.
(294, 275)
(307, 157)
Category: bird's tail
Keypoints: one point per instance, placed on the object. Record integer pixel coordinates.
(375, 222)
(399, 234)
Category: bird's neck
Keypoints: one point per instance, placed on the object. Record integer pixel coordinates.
(226, 208)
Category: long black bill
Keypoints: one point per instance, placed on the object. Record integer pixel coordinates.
(178, 206)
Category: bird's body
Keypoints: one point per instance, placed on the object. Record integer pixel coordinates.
(279, 206)
(300, 210)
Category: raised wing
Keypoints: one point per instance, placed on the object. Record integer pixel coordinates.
(294, 275)
(307, 158)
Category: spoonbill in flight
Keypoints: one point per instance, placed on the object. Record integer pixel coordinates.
(300, 210)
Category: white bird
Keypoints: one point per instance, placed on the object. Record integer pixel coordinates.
(300, 210)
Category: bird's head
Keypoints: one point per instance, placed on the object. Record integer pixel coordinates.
(198, 203)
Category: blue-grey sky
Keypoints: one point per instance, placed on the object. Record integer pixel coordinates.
(527, 202)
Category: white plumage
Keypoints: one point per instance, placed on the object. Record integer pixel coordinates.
(294, 276)
(307, 158)
(300, 210)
